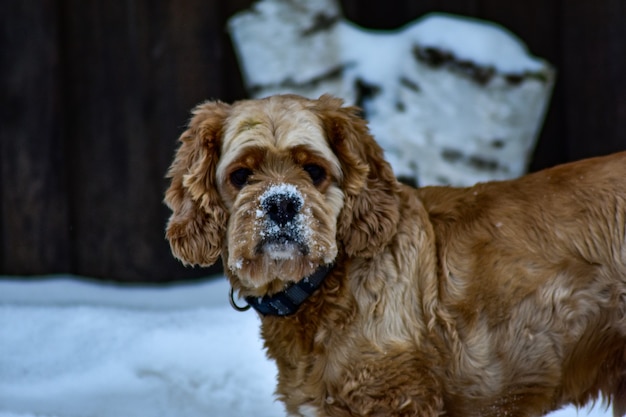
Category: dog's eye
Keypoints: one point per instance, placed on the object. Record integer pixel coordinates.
(239, 177)
(316, 172)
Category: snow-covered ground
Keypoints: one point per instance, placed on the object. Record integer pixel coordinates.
(77, 349)
(74, 348)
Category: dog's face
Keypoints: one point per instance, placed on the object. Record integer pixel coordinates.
(279, 180)
(278, 187)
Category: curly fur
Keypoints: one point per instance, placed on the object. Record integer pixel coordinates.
(503, 299)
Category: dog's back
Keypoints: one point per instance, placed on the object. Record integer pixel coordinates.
(533, 273)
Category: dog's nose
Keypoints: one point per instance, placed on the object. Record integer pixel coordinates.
(282, 208)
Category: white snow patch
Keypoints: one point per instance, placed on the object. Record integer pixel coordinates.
(283, 189)
(282, 252)
(479, 41)
(75, 349)
(238, 264)
(71, 348)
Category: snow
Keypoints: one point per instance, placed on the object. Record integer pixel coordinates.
(418, 136)
(71, 347)
(296, 65)
(280, 191)
(479, 41)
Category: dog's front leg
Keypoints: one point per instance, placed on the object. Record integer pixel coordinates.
(393, 385)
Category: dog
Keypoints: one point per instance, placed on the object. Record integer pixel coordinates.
(378, 299)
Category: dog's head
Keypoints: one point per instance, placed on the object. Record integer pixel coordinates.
(278, 187)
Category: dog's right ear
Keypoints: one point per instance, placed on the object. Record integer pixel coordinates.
(196, 228)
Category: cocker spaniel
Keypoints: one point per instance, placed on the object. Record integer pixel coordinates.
(377, 299)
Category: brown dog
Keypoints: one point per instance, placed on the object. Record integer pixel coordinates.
(377, 299)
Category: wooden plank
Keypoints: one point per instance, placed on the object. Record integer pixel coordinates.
(232, 80)
(594, 86)
(34, 229)
(195, 63)
(137, 69)
(97, 135)
(177, 62)
(396, 13)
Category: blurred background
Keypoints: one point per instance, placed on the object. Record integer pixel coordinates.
(94, 94)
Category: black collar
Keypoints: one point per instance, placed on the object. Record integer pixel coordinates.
(287, 301)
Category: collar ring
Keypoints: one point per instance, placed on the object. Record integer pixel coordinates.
(231, 298)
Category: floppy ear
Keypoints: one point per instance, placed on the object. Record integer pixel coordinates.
(196, 227)
(370, 214)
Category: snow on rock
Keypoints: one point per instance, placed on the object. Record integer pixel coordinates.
(265, 36)
(473, 40)
(460, 114)
(72, 348)
(452, 100)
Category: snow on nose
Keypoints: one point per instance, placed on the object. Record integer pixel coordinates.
(285, 230)
(281, 203)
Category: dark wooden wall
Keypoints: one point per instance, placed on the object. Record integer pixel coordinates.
(95, 92)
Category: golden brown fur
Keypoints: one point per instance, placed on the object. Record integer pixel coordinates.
(504, 299)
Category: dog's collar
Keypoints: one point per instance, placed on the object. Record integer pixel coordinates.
(291, 298)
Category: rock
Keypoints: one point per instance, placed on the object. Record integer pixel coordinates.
(452, 100)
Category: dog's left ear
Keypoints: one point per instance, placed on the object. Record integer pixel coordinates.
(370, 214)
(196, 228)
